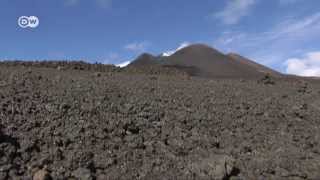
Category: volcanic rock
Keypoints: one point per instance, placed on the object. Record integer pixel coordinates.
(156, 124)
(42, 175)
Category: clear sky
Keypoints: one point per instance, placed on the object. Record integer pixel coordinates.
(283, 34)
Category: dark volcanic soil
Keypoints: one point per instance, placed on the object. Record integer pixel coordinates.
(61, 122)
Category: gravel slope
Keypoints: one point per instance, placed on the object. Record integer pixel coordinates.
(66, 123)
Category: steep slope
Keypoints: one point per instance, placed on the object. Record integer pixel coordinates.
(208, 62)
(253, 64)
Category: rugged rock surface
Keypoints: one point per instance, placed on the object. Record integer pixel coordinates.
(108, 123)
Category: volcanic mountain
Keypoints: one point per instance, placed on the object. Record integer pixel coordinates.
(144, 60)
(204, 61)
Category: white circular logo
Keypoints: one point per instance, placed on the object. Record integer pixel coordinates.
(31, 21)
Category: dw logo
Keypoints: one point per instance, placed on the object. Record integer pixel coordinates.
(31, 21)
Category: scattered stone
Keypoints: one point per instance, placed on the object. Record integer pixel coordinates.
(97, 74)
(65, 107)
(3, 83)
(59, 68)
(216, 167)
(42, 175)
(303, 88)
(83, 174)
(267, 79)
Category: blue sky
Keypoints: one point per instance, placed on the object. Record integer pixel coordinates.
(283, 34)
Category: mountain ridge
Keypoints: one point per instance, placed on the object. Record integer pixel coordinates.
(204, 61)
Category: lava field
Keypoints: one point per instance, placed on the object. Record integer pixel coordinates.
(62, 120)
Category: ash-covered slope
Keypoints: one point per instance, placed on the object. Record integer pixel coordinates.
(253, 64)
(210, 63)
